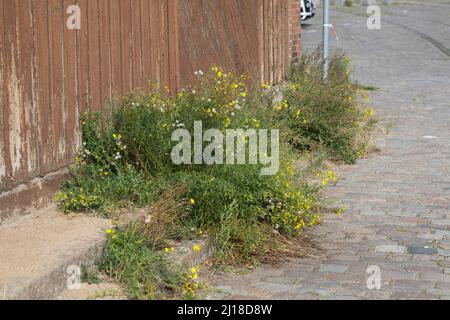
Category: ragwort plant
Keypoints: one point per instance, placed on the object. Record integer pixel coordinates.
(327, 115)
(126, 161)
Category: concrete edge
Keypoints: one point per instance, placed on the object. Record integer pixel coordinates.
(52, 284)
(29, 196)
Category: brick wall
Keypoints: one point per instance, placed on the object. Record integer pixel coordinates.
(295, 30)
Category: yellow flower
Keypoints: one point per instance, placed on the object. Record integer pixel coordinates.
(300, 225)
(172, 249)
(166, 250)
(108, 231)
(196, 248)
(341, 211)
(194, 270)
(192, 201)
(244, 94)
(219, 74)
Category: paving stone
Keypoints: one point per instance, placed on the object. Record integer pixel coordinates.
(421, 249)
(443, 285)
(391, 249)
(411, 285)
(445, 253)
(331, 268)
(274, 287)
(434, 276)
(430, 236)
(443, 233)
(227, 290)
(314, 291)
(443, 244)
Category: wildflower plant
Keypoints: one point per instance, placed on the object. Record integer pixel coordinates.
(327, 115)
(125, 160)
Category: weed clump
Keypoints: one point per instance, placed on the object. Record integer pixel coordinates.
(327, 114)
(126, 160)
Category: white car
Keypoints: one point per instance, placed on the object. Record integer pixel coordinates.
(308, 9)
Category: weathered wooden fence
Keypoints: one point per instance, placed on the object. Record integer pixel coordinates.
(50, 74)
(245, 35)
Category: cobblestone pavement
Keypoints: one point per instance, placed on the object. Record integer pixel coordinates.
(398, 201)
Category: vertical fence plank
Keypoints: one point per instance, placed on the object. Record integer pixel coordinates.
(173, 45)
(83, 66)
(116, 54)
(43, 84)
(57, 76)
(25, 75)
(261, 39)
(136, 44)
(3, 103)
(13, 118)
(71, 108)
(127, 66)
(164, 46)
(155, 27)
(105, 52)
(94, 56)
(146, 44)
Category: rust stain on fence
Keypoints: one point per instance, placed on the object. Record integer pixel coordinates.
(50, 74)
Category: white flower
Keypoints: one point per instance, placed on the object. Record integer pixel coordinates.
(148, 219)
